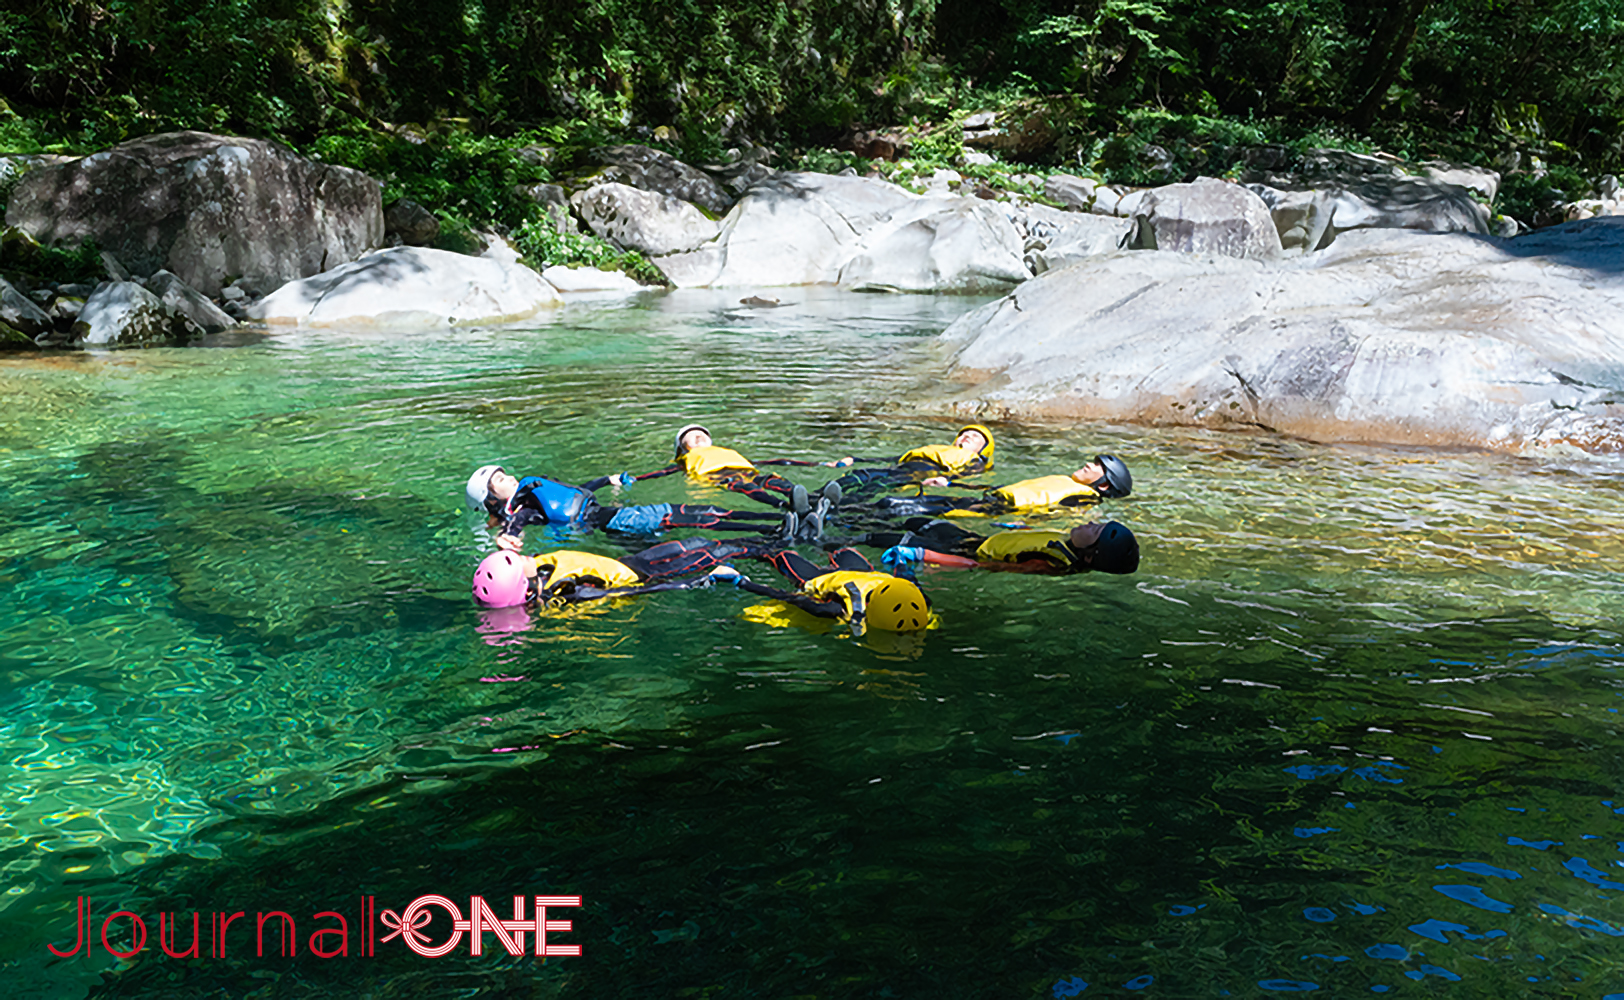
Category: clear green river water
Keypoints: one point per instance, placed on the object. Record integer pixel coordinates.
(1352, 729)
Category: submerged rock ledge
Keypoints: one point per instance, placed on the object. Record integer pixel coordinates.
(1441, 339)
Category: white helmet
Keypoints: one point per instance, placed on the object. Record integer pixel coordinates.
(479, 485)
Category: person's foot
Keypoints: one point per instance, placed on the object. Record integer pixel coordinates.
(812, 524)
(831, 492)
(792, 528)
(799, 501)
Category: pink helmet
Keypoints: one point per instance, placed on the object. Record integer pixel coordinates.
(500, 581)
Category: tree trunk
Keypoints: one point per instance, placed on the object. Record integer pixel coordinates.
(1389, 47)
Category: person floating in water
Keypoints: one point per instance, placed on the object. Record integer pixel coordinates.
(514, 503)
(848, 590)
(970, 454)
(1105, 477)
(507, 579)
(705, 462)
(1103, 546)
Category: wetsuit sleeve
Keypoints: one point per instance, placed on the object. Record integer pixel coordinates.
(587, 592)
(515, 523)
(1080, 500)
(657, 473)
(823, 609)
(877, 460)
(594, 485)
(1042, 567)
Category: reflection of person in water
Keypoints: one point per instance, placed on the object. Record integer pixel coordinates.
(1103, 546)
(514, 503)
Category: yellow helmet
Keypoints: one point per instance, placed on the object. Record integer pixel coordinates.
(897, 606)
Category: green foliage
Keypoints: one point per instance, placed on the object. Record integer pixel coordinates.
(541, 245)
(455, 173)
(20, 255)
(434, 96)
(828, 161)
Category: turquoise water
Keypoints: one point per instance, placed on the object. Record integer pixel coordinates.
(1352, 727)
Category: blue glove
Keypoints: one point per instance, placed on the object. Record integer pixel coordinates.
(625, 478)
(898, 556)
(724, 574)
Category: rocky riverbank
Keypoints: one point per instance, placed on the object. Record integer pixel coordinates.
(1351, 298)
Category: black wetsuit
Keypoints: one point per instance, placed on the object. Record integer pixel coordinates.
(542, 500)
(859, 484)
(762, 487)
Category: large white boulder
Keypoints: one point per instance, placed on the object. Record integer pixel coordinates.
(206, 207)
(122, 313)
(646, 221)
(939, 245)
(410, 287)
(1396, 336)
(790, 229)
(1207, 216)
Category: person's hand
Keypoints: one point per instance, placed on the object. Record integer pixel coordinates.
(512, 543)
(841, 463)
(935, 481)
(901, 555)
(623, 478)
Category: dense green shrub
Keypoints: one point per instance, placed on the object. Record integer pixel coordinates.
(541, 245)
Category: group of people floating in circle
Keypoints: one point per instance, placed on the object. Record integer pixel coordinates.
(870, 506)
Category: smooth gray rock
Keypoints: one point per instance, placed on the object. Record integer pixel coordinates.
(938, 245)
(1301, 218)
(1437, 339)
(206, 207)
(179, 297)
(1207, 216)
(21, 314)
(413, 224)
(641, 220)
(1087, 236)
(1406, 203)
(122, 313)
(1482, 180)
(1079, 193)
(642, 167)
(571, 280)
(410, 287)
(791, 229)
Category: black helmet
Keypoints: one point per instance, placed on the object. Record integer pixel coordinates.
(684, 432)
(1117, 551)
(1118, 483)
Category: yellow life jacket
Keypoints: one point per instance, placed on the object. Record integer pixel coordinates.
(571, 567)
(1045, 491)
(832, 586)
(1018, 546)
(952, 459)
(891, 603)
(701, 463)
